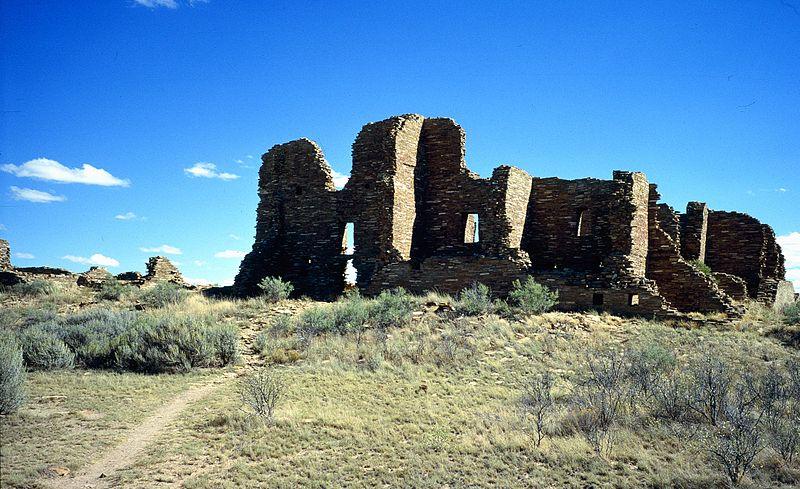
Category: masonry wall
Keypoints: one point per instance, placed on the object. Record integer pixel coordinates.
(5, 255)
(740, 245)
(694, 230)
(683, 285)
(298, 234)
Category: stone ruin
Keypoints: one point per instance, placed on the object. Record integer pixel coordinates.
(159, 269)
(423, 221)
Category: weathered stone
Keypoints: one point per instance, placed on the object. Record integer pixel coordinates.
(422, 220)
(5, 256)
(160, 269)
(95, 277)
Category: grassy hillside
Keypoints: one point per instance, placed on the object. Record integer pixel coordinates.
(414, 392)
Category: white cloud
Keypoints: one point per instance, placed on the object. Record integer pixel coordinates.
(3, 227)
(233, 236)
(229, 254)
(249, 157)
(172, 4)
(165, 248)
(208, 170)
(198, 281)
(199, 263)
(95, 260)
(226, 281)
(790, 245)
(31, 195)
(128, 216)
(339, 179)
(23, 255)
(53, 171)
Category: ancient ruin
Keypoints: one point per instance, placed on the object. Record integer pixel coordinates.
(423, 221)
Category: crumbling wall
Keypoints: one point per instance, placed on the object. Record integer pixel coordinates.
(694, 230)
(740, 245)
(94, 277)
(732, 285)
(159, 269)
(5, 256)
(298, 233)
(683, 285)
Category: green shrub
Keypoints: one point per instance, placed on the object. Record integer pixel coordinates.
(164, 294)
(92, 335)
(701, 267)
(12, 374)
(532, 297)
(791, 314)
(174, 343)
(112, 290)
(392, 308)
(34, 288)
(274, 289)
(475, 300)
(314, 321)
(43, 350)
(277, 350)
(351, 315)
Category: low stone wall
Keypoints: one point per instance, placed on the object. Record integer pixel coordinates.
(779, 293)
(732, 285)
(5, 256)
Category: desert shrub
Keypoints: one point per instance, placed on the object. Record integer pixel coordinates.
(351, 315)
(646, 366)
(43, 350)
(670, 396)
(392, 308)
(701, 267)
(710, 380)
(451, 347)
(474, 300)
(163, 294)
(275, 289)
(737, 438)
(276, 350)
(167, 343)
(92, 335)
(112, 290)
(35, 288)
(261, 392)
(600, 399)
(313, 322)
(537, 403)
(12, 374)
(783, 433)
(532, 297)
(791, 314)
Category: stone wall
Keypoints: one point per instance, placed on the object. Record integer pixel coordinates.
(5, 256)
(732, 285)
(694, 228)
(160, 269)
(684, 286)
(740, 245)
(422, 220)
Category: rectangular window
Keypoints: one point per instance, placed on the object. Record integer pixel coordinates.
(349, 239)
(471, 228)
(597, 299)
(633, 299)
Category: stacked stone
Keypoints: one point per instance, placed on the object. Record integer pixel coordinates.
(5, 256)
(95, 277)
(734, 286)
(160, 269)
(694, 231)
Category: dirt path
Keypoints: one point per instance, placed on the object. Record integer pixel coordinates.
(98, 474)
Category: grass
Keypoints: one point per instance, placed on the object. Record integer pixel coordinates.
(73, 416)
(429, 402)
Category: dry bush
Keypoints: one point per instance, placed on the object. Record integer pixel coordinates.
(261, 392)
(537, 403)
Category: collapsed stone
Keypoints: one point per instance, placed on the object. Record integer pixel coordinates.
(423, 221)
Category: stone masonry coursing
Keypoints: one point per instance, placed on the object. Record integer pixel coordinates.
(422, 220)
(5, 256)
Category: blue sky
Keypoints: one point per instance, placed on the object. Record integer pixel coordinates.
(704, 97)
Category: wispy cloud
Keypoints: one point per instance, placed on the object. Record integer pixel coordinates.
(790, 245)
(339, 179)
(166, 249)
(53, 171)
(38, 196)
(198, 281)
(199, 263)
(208, 170)
(128, 216)
(3, 227)
(23, 255)
(229, 254)
(95, 260)
(171, 4)
(235, 237)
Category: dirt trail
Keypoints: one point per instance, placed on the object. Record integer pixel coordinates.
(98, 474)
